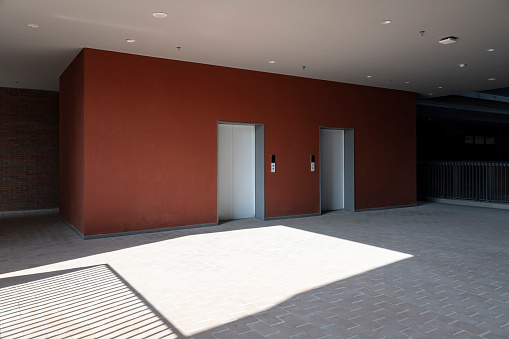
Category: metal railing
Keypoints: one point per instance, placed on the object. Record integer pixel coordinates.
(472, 180)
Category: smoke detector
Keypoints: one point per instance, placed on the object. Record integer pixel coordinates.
(449, 40)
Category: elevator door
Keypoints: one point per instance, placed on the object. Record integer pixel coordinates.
(236, 172)
(332, 167)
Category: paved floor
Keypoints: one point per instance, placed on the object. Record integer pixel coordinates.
(431, 271)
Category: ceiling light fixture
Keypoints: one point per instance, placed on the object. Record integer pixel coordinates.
(463, 65)
(159, 15)
(491, 79)
(449, 40)
(368, 76)
(440, 87)
(386, 22)
(490, 50)
(272, 62)
(33, 25)
(407, 82)
(130, 40)
(431, 94)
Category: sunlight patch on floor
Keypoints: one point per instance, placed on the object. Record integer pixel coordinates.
(201, 281)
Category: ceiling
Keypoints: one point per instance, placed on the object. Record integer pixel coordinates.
(335, 40)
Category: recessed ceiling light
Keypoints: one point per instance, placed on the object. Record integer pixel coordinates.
(431, 94)
(33, 25)
(130, 40)
(407, 82)
(439, 87)
(463, 65)
(368, 76)
(386, 22)
(449, 40)
(160, 15)
(490, 50)
(491, 79)
(272, 62)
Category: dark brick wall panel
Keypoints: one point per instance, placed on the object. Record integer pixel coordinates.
(28, 149)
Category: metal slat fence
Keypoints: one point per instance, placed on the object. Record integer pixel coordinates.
(472, 180)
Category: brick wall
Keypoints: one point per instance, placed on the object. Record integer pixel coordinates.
(28, 149)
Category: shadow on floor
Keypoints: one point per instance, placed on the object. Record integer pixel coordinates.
(85, 302)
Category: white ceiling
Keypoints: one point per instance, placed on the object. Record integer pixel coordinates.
(338, 40)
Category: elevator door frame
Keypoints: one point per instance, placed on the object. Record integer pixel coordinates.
(348, 170)
(259, 167)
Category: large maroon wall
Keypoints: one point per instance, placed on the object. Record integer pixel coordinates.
(150, 139)
(28, 149)
(72, 147)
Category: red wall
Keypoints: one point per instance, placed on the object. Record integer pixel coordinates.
(72, 145)
(28, 149)
(150, 139)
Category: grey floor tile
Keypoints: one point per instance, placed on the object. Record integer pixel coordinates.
(430, 271)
